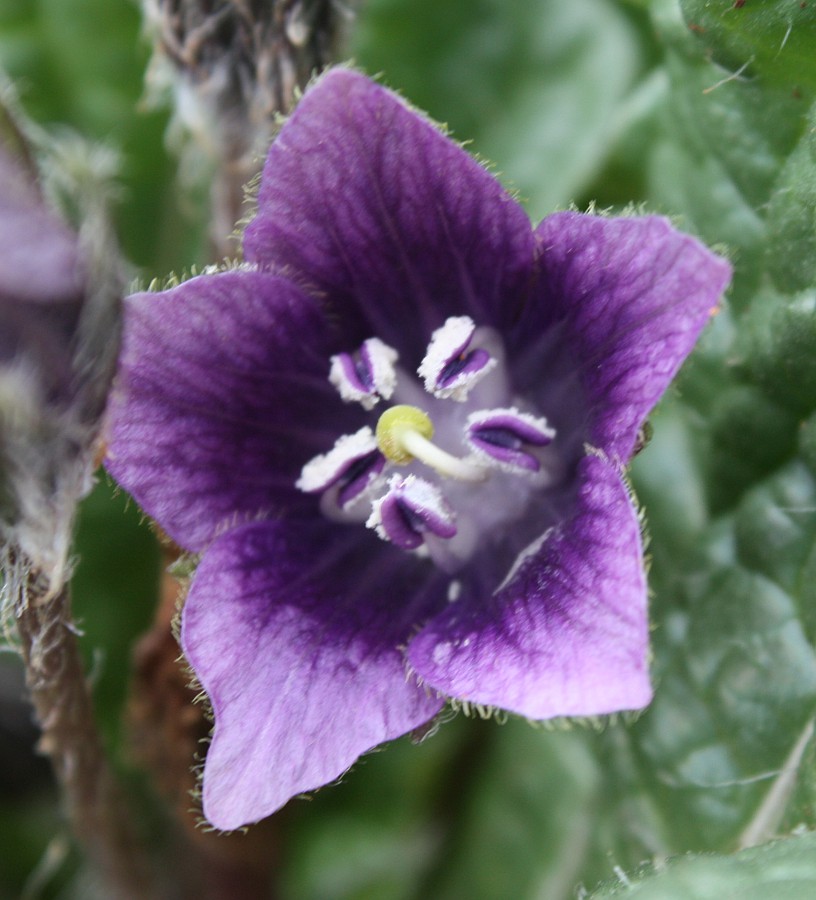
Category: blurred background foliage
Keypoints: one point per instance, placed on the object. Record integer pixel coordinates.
(702, 110)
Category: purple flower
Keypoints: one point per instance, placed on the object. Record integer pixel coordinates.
(42, 283)
(397, 436)
(59, 315)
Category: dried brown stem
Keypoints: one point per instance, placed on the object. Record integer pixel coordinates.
(168, 731)
(59, 692)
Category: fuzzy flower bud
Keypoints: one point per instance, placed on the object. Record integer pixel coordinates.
(233, 67)
(59, 309)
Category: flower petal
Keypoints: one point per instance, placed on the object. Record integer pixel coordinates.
(366, 199)
(41, 262)
(42, 283)
(632, 295)
(223, 395)
(294, 638)
(567, 633)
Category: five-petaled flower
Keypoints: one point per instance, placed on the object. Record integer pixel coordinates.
(397, 435)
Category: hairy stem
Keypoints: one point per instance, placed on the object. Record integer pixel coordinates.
(59, 692)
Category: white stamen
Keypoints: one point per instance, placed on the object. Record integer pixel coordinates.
(445, 463)
(419, 494)
(381, 359)
(408, 510)
(538, 424)
(321, 471)
(374, 520)
(454, 336)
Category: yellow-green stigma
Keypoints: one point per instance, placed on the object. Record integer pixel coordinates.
(404, 434)
(392, 427)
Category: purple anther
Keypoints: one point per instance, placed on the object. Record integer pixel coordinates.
(450, 367)
(507, 436)
(357, 372)
(367, 375)
(411, 509)
(352, 465)
(357, 476)
(461, 366)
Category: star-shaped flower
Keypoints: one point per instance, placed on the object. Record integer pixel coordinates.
(397, 436)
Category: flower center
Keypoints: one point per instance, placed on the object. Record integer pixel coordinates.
(404, 433)
(442, 490)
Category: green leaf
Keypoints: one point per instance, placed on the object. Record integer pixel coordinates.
(807, 442)
(114, 590)
(725, 142)
(538, 86)
(736, 683)
(784, 869)
(791, 249)
(522, 828)
(734, 667)
(776, 348)
(771, 39)
(669, 483)
(749, 437)
(748, 127)
(375, 834)
(81, 63)
(775, 525)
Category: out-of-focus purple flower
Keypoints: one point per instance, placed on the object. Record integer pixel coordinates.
(397, 435)
(59, 318)
(42, 280)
